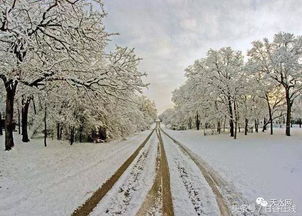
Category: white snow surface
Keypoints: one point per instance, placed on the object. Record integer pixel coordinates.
(258, 165)
(36, 181)
(129, 192)
(191, 193)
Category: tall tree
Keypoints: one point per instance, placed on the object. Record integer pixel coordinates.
(220, 73)
(61, 42)
(280, 60)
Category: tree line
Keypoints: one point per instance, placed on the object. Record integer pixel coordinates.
(227, 90)
(58, 79)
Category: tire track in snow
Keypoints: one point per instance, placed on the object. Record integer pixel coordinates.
(97, 196)
(87, 168)
(159, 199)
(166, 186)
(153, 200)
(125, 197)
(223, 207)
(23, 198)
(71, 175)
(228, 194)
(193, 191)
(189, 187)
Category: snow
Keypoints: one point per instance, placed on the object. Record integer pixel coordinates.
(190, 191)
(258, 165)
(35, 180)
(128, 194)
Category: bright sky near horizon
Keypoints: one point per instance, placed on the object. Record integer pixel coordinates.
(170, 34)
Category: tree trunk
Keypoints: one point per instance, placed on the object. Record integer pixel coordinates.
(93, 135)
(270, 114)
(288, 111)
(218, 127)
(197, 122)
(25, 106)
(102, 133)
(45, 126)
(246, 126)
(224, 123)
(81, 137)
(81, 134)
(34, 106)
(71, 135)
(10, 87)
(256, 125)
(231, 117)
(59, 131)
(190, 123)
(264, 125)
(236, 120)
(19, 122)
(1, 133)
(271, 123)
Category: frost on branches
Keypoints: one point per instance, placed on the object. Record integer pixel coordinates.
(57, 77)
(224, 92)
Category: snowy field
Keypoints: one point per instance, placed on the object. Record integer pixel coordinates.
(258, 165)
(36, 181)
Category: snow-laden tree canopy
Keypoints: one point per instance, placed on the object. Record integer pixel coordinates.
(53, 55)
(222, 89)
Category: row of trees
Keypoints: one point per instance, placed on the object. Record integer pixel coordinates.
(57, 77)
(224, 90)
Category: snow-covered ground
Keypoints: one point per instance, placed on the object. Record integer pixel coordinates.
(35, 180)
(129, 192)
(190, 192)
(258, 165)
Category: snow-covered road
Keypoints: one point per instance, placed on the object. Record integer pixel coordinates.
(257, 165)
(210, 175)
(127, 195)
(189, 187)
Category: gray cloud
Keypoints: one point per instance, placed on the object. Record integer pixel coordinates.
(170, 34)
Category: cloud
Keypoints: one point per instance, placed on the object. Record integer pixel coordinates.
(189, 24)
(170, 34)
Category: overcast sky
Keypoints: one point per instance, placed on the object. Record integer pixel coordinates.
(170, 34)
